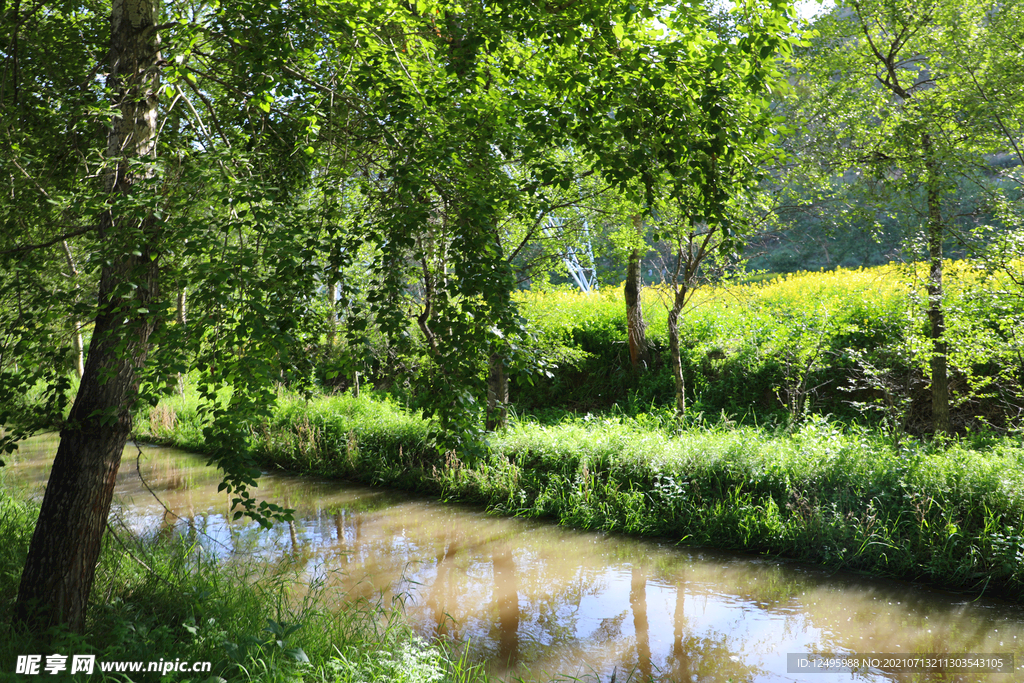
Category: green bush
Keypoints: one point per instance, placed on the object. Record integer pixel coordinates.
(166, 597)
(843, 496)
(851, 343)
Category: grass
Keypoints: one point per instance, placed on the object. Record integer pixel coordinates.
(770, 476)
(842, 496)
(242, 617)
(851, 343)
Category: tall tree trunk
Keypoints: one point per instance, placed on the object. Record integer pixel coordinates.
(182, 314)
(79, 347)
(76, 326)
(636, 329)
(182, 317)
(936, 312)
(497, 394)
(61, 563)
(332, 316)
(673, 347)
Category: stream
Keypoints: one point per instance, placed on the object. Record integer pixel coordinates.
(539, 601)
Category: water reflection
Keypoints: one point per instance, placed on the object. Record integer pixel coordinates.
(537, 600)
(506, 604)
(638, 602)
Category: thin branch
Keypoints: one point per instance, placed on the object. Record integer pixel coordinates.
(169, 511)
(547, 211)
(995, 112)
(209, 107)
(142, 564)
(50, 243)
(299, 76)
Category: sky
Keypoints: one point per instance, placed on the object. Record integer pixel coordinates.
(808, 8)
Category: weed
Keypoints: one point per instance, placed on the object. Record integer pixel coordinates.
(821, 491)
(242, 618)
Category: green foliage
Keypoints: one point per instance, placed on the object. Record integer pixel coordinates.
(188, 604)
(895, 125)
(851, 343)
(16, 519)
(845, 497)
(294, 145)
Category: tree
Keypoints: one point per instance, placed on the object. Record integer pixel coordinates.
(131, 244)
(994, 90)
(58, 575)
(884, 91)
(691, 188)
(221, 152)
(37, 209)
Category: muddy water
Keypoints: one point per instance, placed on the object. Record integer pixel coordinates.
(540, 601)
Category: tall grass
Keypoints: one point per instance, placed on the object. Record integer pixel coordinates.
(852, 343)
(843, 496)
(165, 598)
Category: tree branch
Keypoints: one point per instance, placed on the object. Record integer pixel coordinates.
(50, 243)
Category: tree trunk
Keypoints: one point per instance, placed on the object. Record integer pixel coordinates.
(936, 312)
(182, 317)
(182, 314)
(79, 346)
(636, 329)
(332, 316)
(673, 347)
(497, 394)
(76, 327)
(61, 563)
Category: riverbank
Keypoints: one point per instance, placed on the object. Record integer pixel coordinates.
(162, 598)
(838, 496)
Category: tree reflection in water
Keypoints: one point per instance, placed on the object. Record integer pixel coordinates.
(506, 598)
(638, 601)
(679, 657)
(439, 601)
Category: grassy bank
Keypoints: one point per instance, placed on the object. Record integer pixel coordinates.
(843, 497)
(242, 619)
(852, 343)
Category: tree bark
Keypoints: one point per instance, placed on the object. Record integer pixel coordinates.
(332, 316)
(182, 318)
(936, 312)
(182, 314)
(636, 329)
(673, 347)
(76, 326)
(79, 347)
(61, 563)
(497, 394)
